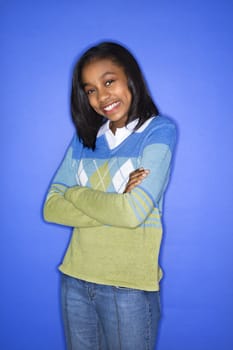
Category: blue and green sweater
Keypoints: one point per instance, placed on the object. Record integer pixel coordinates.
(116, 237)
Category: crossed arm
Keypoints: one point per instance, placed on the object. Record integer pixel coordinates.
(58, 209)
(79, 206)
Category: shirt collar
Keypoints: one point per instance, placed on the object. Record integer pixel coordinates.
(105, 128)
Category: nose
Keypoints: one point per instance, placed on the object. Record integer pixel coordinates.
(103, 95)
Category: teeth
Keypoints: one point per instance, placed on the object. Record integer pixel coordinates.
(110, 107)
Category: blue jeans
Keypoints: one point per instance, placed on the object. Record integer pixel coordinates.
(100, 317)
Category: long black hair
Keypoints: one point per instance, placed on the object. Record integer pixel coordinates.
(87, 122)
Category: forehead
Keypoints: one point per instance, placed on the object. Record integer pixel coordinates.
(98, 68)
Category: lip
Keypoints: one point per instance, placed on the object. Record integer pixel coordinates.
(110, 107)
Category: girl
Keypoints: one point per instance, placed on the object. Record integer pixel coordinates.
(110, 188)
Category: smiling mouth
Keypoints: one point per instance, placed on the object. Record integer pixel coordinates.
(110, 107)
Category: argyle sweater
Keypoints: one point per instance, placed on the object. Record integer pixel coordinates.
(116, 236)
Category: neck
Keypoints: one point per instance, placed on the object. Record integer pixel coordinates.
(112, 127)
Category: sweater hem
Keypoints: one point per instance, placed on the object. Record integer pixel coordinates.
(153, 287)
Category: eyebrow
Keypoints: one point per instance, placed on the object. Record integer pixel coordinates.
(102, 76)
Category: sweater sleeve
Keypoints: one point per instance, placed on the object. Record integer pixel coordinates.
(56, 208)
(61, 211)
(131, 209)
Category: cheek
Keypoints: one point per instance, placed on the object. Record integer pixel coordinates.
(129, 97)
(91, 101)
(124, 91)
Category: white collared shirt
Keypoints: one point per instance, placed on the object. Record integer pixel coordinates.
(121, 134)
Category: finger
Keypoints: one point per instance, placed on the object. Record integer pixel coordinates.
(130, 186)
(134, 182)
(139, 172)
(135, 173)
(135, 178)
(140, 175)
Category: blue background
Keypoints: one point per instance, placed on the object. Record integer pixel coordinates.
(185, 49)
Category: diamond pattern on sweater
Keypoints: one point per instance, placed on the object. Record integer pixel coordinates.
(101, 178)
(81, 176)
(122, 175)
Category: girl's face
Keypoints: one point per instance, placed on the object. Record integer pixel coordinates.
(105, 84)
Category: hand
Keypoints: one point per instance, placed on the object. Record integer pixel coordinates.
(135, 178)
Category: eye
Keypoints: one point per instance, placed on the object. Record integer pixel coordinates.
(109, 82)
(89, 91)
